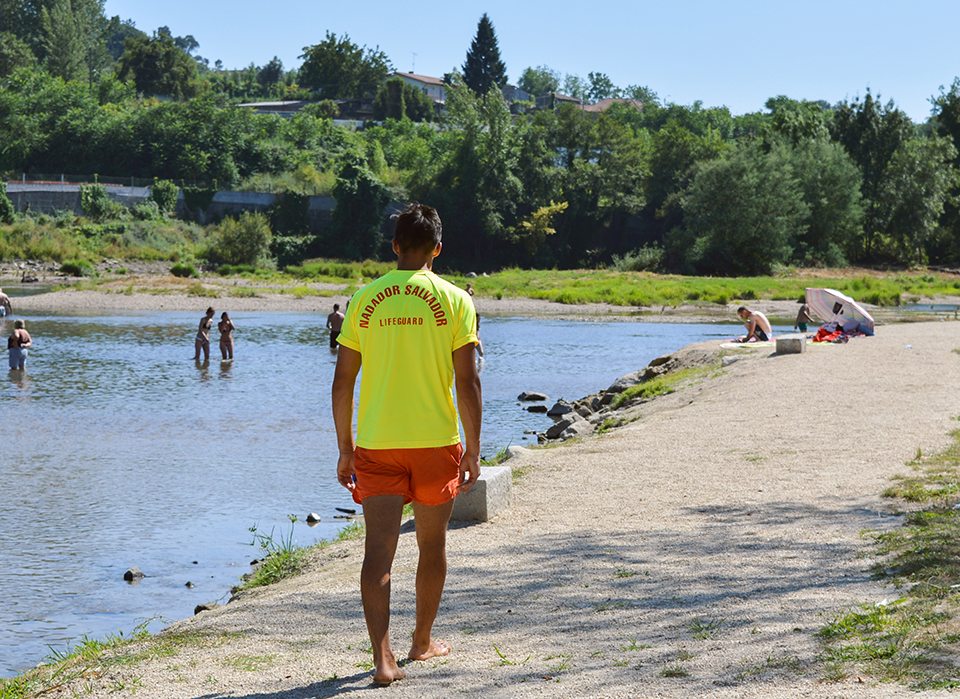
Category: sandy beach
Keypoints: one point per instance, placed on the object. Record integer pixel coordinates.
(715, 534)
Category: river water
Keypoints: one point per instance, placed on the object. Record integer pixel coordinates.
(119, 450)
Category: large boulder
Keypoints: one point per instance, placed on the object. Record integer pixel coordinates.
(571, 425)
(560, 408)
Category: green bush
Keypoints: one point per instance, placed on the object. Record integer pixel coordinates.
(77, 268)
(7, 210)
(147, 211)
(244, 240)
(164, 195)
(179, 270)
(96, 203)
(645, 259)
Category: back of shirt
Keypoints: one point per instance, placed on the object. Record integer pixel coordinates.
(406, 326)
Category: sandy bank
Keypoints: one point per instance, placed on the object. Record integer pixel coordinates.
(167, 293)
(715, 534)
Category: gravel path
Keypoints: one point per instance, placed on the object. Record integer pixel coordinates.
(710, 539)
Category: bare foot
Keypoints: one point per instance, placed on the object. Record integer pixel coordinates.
(388, 671)
(433, 649)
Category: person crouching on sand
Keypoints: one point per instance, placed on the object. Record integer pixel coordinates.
(756, 324)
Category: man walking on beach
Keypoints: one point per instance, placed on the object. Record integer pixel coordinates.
(414, 335)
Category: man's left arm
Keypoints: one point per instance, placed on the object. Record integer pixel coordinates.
(470, 407)
(344, 381)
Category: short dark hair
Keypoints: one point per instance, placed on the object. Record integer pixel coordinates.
(742, 309)
(336, 306)
(417, 227)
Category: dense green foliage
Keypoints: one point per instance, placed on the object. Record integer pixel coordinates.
(339, 69)
(660, 186)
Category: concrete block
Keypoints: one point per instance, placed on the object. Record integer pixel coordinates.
(791, 344)
(492, 493)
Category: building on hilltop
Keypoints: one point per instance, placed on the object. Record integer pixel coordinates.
(605, 104)
(434, 88)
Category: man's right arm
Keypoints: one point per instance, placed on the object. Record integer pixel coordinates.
(344, 381)
(470, 406)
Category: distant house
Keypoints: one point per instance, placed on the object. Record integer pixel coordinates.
(552, 100)
(604, 105)
(286, 108)
(434, 88)
(512, 93)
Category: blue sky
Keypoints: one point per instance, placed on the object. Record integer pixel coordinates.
(736, 53)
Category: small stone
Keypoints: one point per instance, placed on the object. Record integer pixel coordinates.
(189, 584)
(205, 607)
(531, 395)
(537, 409)
(133, 575)
(313, 518)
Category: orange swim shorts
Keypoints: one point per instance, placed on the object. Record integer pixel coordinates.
(427, 476)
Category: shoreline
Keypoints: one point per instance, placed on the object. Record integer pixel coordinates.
(612, 585)
(170, 294)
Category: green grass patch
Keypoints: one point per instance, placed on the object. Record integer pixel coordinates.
(69, 671)
(664, 384)
(637, 289)
(913, 639)
(198, 289)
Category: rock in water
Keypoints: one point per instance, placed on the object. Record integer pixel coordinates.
(531, 395)
(313, 518)
(133, 575)
(537, 409)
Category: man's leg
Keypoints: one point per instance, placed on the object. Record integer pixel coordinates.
(381, 514)
(431, 523)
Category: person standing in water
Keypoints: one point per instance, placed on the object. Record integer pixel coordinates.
(17, 345)
(335, 324)
(226, 328)
(202, 342)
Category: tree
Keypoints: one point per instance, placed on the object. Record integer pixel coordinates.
(741, 213)
(830, 184)
(871, 133)
(158, 66)
(357, 220)
(575, 86)
(117, 37)
(398, 99)
(14, 53)
(339, 69)
(601, 87)
(63, 42)
(539, 81)
(75, 39)
(644, 94)
(271, 74)
(919, 179)
(483, 68)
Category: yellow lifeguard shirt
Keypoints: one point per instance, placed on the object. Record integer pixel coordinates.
(406, 326)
